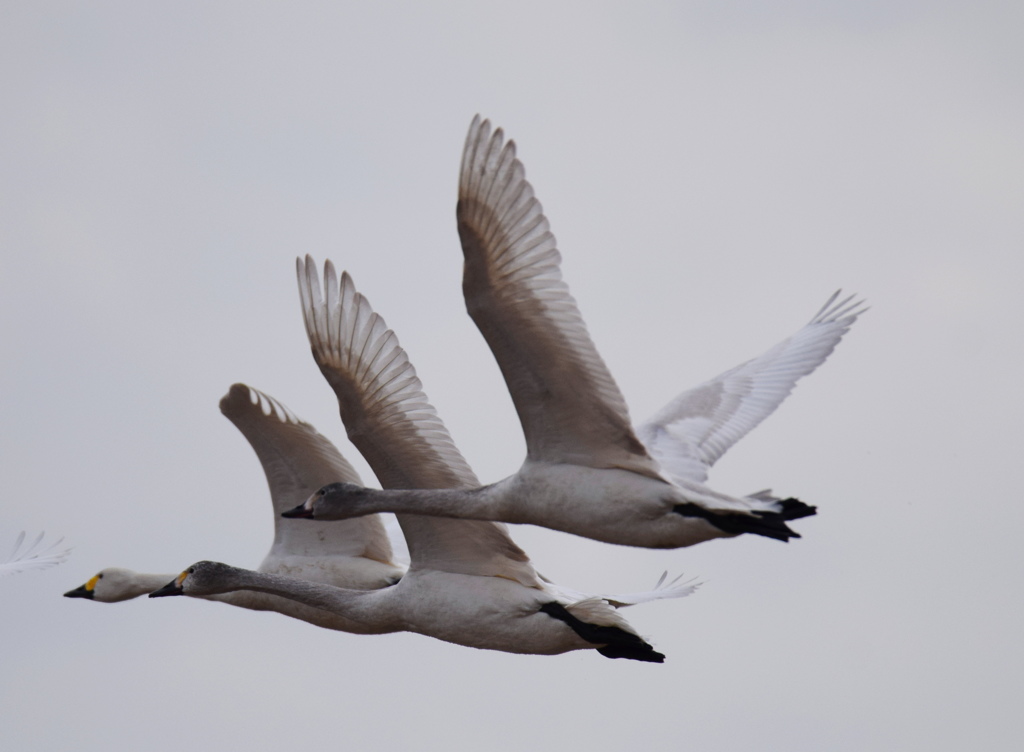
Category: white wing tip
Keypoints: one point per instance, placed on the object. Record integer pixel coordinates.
(31, 558)
(845, 312)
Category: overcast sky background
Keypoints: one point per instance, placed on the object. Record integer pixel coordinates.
(712, 171)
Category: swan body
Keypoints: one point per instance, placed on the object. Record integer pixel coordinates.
(604, 505)
(32, 558)
(587, 471)
(468, 583)
(423, 603)
(295, 459)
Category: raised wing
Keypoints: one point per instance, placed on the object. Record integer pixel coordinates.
(33, 557)
(570, 408)
(390, 421)
(297, 461)
(691, 432)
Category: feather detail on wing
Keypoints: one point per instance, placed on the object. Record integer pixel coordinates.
(297, 461)
(570, 408)
(690, 433)
(664, 589)
(33, 557)
(390, 421)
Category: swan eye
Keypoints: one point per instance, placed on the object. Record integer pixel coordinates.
(191, 570)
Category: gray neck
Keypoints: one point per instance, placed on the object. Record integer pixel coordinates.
(324, 605)
(471, 504)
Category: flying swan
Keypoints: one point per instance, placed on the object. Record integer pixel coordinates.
(468, 583)
(296, 460)
(587, 471)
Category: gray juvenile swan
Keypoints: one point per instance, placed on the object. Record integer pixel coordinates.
(296, 460)
(468, 583)
(587, 471)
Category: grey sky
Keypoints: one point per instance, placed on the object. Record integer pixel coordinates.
(712, 173)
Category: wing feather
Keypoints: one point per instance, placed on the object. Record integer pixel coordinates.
(297, 461)
(390, 421)
(33, 557)
(694, 430)
(568, 403)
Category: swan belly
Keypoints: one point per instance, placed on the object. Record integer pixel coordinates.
(605, 504)
(490, 613)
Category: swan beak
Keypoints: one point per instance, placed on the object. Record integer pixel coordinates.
(171, 588)
(81, 592)
(300, 512)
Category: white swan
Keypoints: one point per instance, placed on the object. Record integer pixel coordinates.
(296, 460)
(586, 471)
(32, 557)
(467, 583)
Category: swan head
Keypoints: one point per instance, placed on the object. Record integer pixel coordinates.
(328, 503)
(202, 578)
(110, 585)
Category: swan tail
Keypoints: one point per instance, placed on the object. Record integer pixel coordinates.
(615, 641)
(770, 524)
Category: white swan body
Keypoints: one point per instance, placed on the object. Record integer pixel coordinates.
(32, 557)
(586, 471)
(295, 459)
(488, 613)
(468, 583)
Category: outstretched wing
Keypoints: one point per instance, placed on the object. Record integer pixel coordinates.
(33, 557)
(570, 408)
(390, 421)
(297, 461)
(691, 432)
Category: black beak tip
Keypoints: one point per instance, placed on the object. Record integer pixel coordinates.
(299, 512)
(79, 592)
(171, 588)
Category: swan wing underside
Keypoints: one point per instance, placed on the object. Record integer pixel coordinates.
(297, 461)
(569, 405)
(390, 421)
(694, 430)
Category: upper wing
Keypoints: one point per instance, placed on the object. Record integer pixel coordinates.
(30, 558)
(570, 408)
(691, 432)
(297, 461)
(390, 421)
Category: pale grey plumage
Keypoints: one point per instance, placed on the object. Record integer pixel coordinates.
(586, 470)
(296, 460)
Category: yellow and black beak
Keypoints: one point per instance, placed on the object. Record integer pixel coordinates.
(88, 590)
(171, 588)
